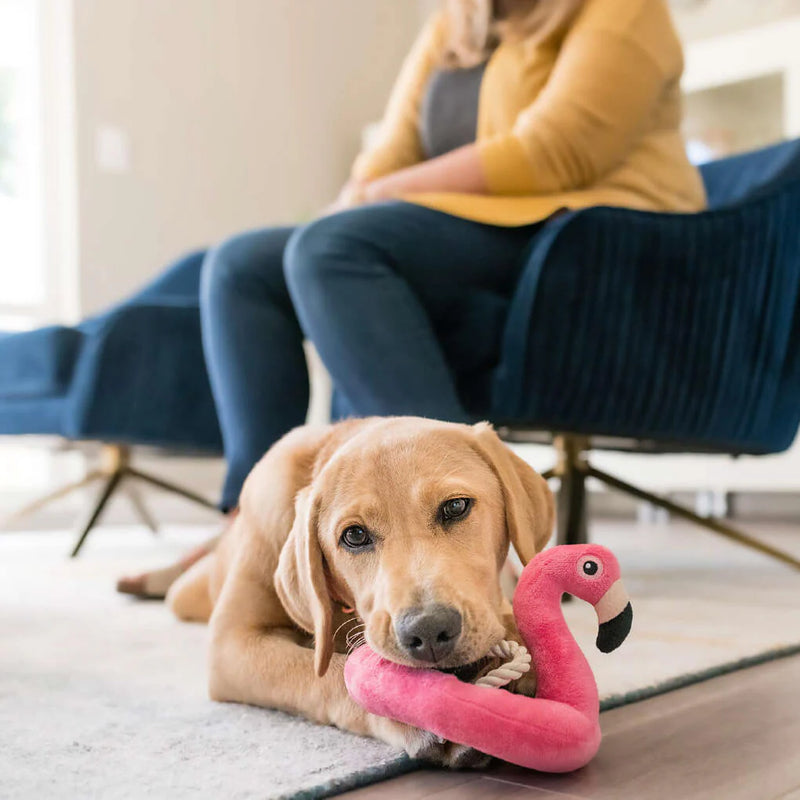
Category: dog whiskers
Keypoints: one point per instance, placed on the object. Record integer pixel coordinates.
(355, 637)
(347, 622)
(356, 643)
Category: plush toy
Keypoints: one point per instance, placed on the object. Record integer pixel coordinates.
(559, 729)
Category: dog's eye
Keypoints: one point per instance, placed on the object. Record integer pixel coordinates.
(356, 538)
(455, 508)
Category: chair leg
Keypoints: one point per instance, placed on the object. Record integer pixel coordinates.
(711, 523)
(571, 522)
(171, 487)
(115, 466)
(571, 511)
(51, 497)
(96, 510)
(140, 507)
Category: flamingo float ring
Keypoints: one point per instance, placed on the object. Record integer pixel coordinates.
(556, 731)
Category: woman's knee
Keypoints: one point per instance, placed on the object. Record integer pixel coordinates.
(243, 263)
(304, 254)
(317, 251)
(227, 266)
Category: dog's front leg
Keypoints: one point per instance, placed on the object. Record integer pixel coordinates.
(257, 657)
(269, 668)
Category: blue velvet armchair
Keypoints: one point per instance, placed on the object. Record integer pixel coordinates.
(632, 330)
(134, 375)
(661, 332)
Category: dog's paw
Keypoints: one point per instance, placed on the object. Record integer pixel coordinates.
(416, 742)
(429, 748)
(426, 746)
(449, 754)
(459, 756)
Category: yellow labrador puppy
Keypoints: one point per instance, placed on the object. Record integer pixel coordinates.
(392, 530)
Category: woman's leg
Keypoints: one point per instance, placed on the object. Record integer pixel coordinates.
(372, 285)
(256, 364)
(254, 349)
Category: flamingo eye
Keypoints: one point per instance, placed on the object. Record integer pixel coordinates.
(589, 567)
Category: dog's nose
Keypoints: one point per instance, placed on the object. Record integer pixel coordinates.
(429, 633)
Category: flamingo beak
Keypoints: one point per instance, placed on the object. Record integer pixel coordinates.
(615, 615)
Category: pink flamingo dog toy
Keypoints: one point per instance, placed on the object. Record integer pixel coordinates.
(556, 731)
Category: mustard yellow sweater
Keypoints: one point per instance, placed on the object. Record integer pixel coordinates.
(589, 116)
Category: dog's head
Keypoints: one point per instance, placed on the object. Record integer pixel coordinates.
(409, 522)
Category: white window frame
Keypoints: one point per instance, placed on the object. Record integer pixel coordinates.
(54, 141)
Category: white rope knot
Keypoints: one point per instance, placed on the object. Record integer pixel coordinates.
(518, 662)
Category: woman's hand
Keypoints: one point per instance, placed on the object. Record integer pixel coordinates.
(458, 171)
(350, 196)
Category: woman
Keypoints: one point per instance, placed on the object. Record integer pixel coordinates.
(504, 113)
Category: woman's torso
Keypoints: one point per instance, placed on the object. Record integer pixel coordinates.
(460, 106)
(449, 110)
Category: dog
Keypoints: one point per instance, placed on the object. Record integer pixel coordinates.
(393, 531)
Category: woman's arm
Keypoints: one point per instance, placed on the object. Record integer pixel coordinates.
(605, 84)
(604, 87)
(460, 170)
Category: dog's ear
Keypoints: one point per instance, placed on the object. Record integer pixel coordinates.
(528, 500)
(300, 579)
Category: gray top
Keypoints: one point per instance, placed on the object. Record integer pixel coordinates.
(449, 112)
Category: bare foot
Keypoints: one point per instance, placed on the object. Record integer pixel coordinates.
(153, 585)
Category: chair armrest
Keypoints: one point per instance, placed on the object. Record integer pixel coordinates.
(180, 280)
(658, 325)
(141, 378)
(38, 364)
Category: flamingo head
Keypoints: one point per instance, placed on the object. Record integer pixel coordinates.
(589, 572)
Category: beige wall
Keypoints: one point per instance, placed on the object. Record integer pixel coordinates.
(238, 113)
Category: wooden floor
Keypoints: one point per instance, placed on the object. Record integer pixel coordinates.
(736, 737)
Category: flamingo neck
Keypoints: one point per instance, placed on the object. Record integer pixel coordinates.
(562, 671)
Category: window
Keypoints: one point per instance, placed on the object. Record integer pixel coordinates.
(23, 290)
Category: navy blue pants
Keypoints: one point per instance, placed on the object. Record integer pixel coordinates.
(397, 299)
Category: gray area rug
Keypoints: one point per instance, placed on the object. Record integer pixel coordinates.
(105, 698)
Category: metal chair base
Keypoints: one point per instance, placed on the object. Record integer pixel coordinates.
(573, 468)
(115, 473)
